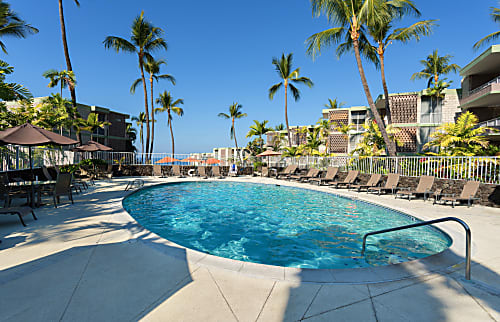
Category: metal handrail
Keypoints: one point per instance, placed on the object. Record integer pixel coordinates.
(430, 222)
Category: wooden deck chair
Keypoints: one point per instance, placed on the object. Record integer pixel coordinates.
(312, 173)
(350, 179)
(424, 188)
(468, 194)
(202, 172)
(217, 173)
(20, 211)
(372, 182)
(176, 171)
(391, 185)
(331, 174)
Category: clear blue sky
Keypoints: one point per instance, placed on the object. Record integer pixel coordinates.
(220, 52)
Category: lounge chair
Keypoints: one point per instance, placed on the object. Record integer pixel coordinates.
(176, 171)
(312, 173)
(289, 170)
(233, 170)
(468, 194)
(157, 172)
(423, 188)
(331, 174)
(351, 177)
(391, 184)
(62, 187)
(202, 172)
(372, 182)
(217, 173)
(264, 172)
(20, 211)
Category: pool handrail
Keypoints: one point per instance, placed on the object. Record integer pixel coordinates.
(430, 222)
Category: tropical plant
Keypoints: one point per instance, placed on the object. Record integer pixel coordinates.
(351, 18)
(259, 129)
(11, 25)
(495, 16)
(289, 76)
(140, 121)
(292, 151)
(279, 127)
(92, 124)
(169, 106)
(255, 146)
(372, 143)
(145, 39)
(11, 91)
(131, 134)
(69, 67)
(63, 78)
(324, 126)
(334, 104)
(153, 67)
(384, 35)
(234, 114)
(462, 138)
(435, 66)
(313, 141)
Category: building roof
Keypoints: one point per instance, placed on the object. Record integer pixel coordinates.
(485, 63)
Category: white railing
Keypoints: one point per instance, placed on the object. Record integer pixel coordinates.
(496, 80)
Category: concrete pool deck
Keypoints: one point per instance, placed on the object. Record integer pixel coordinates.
(91, 261)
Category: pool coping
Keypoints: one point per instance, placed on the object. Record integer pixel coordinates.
(446, 261)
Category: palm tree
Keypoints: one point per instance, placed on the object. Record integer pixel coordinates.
(169, 105)
(144, 40)
(279, 127)
(292, 151)
(11, 25)
(383, 35)
(495, 15)
(139, 121)
(131, 133)
(11, 91)
(234, 113)
(324, 130)
(259, 129)
(63, 78)
(92, 124)
(435, 66)
(69, 68)
(152, 67)
(333, 104)
(352, 18)
(290, 77)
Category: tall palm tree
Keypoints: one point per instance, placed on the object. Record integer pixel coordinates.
(333, 104)
(290, 77)
(279, 127)
(140, 121)
(352, 17)
(62, 78)
(234, 114)
(152, 67)
(69, 67)
(435, 66)
(12, 25)
(259, 129)
(383, 34)
(495, 15)
(144, 40)
(11, 91)
(169, 105)
(92, 124)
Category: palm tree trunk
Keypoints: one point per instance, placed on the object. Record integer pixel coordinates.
(386, 91)
(286, 115)
(235, 142)
(142, 139)
(172, 136)
(146, 107)
(390, 145)
(152, 114)
(68, 62)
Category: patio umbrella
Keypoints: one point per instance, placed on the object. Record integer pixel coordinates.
(167, 160)
(92, 146)
(268, 154)
(212, 161)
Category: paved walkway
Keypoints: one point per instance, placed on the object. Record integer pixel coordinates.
(91, 262)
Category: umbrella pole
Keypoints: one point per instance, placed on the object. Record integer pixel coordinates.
(32, 192)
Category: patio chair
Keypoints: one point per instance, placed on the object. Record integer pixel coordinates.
(312, 173)
(372, 182)
(423, 188)
(8, 193)
(20, 211)
(217, 173)
(331, 174)
(468, 194)
(176, 171)
(289, 170)
(157, 171)
(62, 187)
(350, 179)
(391, 185)
(202, 172)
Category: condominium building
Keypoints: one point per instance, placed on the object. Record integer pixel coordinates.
(481, 89)
(229, 154)
(356, 116)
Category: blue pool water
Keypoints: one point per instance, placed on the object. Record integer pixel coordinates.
(279, 225)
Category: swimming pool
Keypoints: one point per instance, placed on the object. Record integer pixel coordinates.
(279, 225)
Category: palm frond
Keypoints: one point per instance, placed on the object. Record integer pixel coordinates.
(274, 89)
(295, 92)
(134, 85)
(325, 38)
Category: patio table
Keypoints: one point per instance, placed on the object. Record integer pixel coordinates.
(32, 187)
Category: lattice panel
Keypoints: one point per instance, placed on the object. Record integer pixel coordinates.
(270, 138)
(298, 138)
(404, 108)
(407, 136)
(339, 116)
(338, 143)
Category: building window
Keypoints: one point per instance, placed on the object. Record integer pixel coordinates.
(358, 119)
(431, 110)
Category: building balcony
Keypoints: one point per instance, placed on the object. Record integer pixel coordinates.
(483, 96)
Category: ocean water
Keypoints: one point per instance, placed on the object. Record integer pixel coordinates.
(279, 225)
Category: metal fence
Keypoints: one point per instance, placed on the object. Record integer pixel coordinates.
(484, 169)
